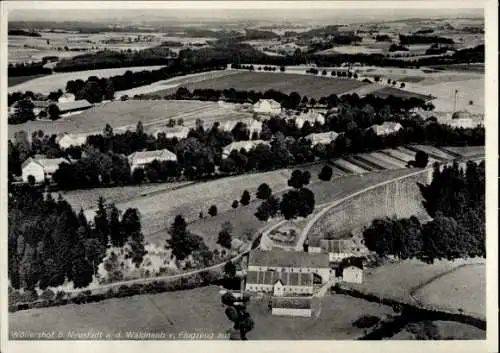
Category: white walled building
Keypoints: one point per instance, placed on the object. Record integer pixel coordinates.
(350, 270)
(311, 116)
(66, 140)
(290, 261)
(323, 138)
(252, 125)
(279, 283)
(141, 159)
(180, 132)
(246, 145)
(387, 128)
(41, 169)
(267, 107)
(294, 306)
(66, 97)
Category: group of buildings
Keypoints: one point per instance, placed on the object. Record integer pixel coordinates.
(66, 104)
(291, 278)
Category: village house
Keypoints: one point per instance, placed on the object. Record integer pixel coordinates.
(387, 128)
(239, 145)
(73, 107)
(294, 306)
(252, 125)
(461, 119)
(337, 249)
(141, 159)
(323, 138)
(67, 140)
(267, 107)
(41, 169)
(179, 132)
(66, 97)
(312, 116)
(280, 283)
(350, 270)
(291, 261)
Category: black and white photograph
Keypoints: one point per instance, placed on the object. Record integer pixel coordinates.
(276, 172)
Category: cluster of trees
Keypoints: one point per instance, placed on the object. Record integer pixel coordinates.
(395, 47)
(298, 202)
(419, 39)
(456, 200)
(50, 244)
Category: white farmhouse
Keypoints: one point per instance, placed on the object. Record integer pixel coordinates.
(323, 138)
(141, 159)
(279, 283)
(312, 116)
(387, 128)
(351, 271)
(246, 145)
(67, 140)
(73, 107)
(41, 169)
(252, 125)
(267, 107)
(462, 119)
(290, 261)
(66, 97)
(179, 132)
(291, 306)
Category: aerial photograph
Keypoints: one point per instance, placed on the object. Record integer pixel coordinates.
(259, 174)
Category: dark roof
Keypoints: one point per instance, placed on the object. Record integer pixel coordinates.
(334, 245)
(79, 104)
(287, 278)
(351, 261)
(280, 258)
(292, 302)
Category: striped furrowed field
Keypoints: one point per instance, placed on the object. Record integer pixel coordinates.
(47, 84)
(311, 86)
(433, 152)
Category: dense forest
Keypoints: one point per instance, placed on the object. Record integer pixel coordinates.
(50, 244)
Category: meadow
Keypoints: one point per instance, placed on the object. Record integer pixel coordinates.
(196, 311)
(463, 289)
(433, 282)
(311, 86)
(47, 84)
(123, 115)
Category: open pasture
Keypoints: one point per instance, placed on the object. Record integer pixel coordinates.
(196, 311)
(47, 84)
(122, 115)
(463, 289)
(399, 280)
(311, 86)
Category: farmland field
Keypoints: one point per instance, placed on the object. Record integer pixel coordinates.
(198, 311)
(350, 49)
(16, 80)
(468, 285)
(398, 281)
(312, 86)
(469, 151)
(445, 330)
(244, 221)
(124, 115)
(47, 84)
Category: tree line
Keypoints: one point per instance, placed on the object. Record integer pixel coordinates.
(455, 199)
(104, 162)
(50, 244)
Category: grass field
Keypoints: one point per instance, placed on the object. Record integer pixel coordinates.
(126, 115)
(398, 280)
(57, 81)
(312, 86)
(468, 151)
(462, 289)
(196, 311)
(446, 330)
(244, 221)
(16, 80)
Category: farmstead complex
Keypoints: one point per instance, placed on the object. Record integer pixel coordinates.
(242, 177)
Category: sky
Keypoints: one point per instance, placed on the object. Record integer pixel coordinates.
(267, 12)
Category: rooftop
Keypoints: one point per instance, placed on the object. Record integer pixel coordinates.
(292, 302)
(159, 154)
(79, 104)
(280, 258)
(287, 278)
